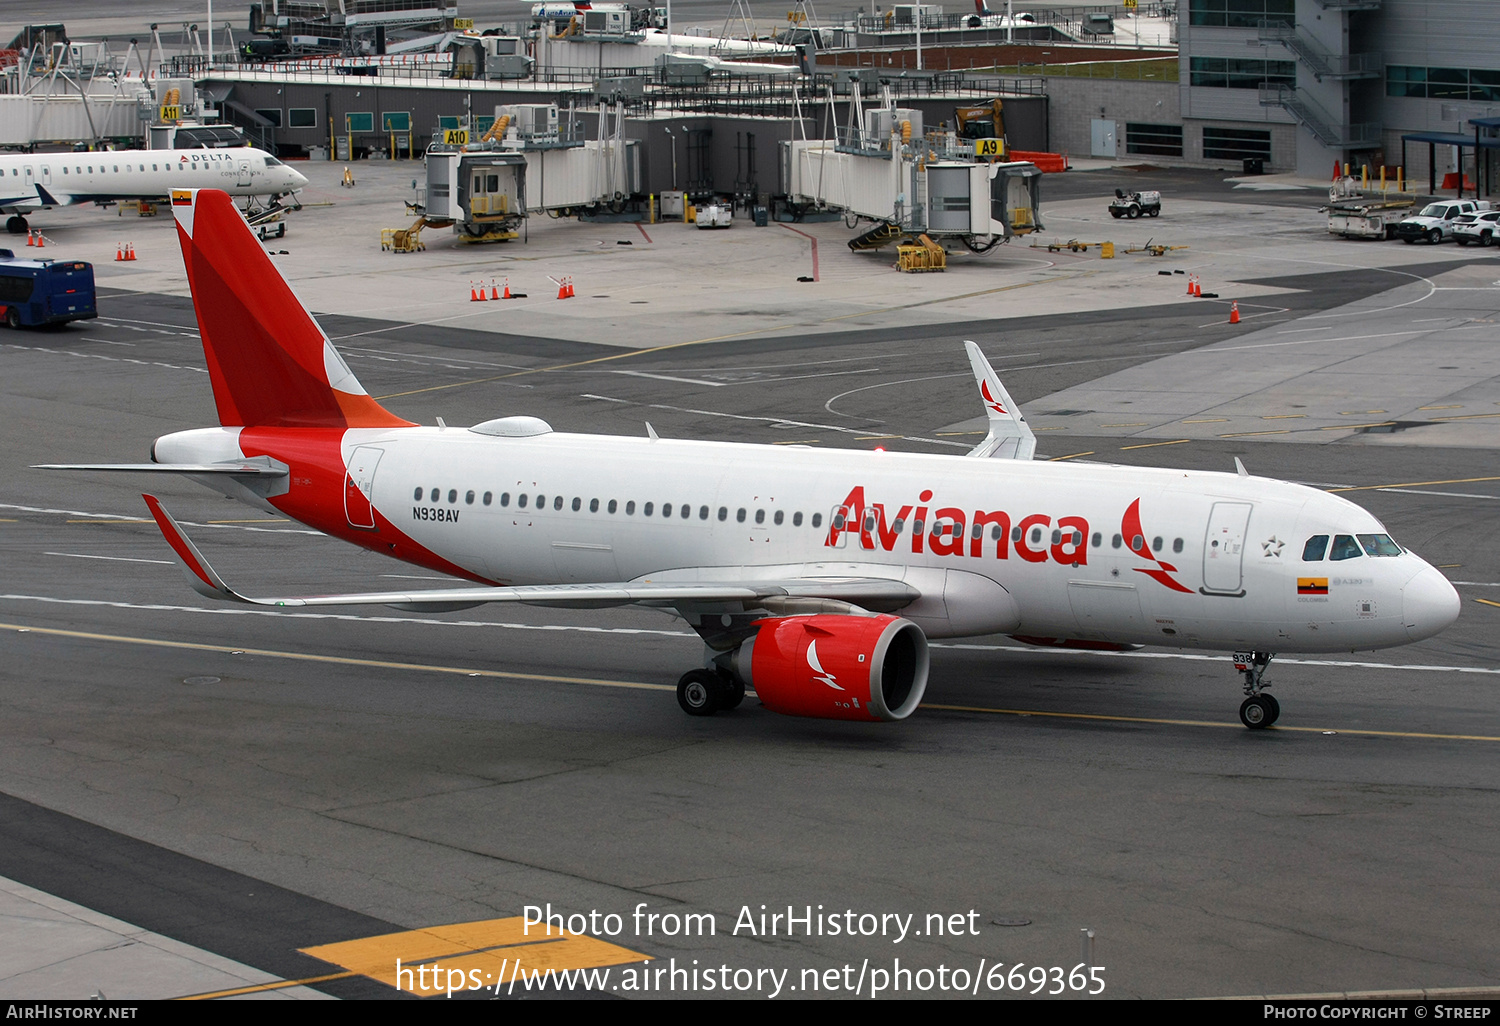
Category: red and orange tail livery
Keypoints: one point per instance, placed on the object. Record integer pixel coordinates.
(270, 363)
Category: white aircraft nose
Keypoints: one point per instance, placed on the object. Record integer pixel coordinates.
(298, 178)
(1429, 604)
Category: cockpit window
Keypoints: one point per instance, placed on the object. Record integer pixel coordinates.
(1345, 547)
(272, 162)
(1316, 546)
(1379, 545)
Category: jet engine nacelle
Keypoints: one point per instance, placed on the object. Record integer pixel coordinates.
(837, 667)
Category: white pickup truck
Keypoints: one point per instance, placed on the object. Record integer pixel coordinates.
(1435, 222)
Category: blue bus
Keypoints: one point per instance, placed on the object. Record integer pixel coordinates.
(34, 293)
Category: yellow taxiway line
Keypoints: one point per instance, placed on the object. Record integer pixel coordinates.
(639, 686)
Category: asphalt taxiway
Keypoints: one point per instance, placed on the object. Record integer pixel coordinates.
(254, 785)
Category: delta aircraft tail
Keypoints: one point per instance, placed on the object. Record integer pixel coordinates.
(270, 363)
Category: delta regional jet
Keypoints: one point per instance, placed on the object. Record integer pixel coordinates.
(40, 181)
(815, 576)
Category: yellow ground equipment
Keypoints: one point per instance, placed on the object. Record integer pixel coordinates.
(1156, 249)
(408, 240)
(921, 254)
(980, 122)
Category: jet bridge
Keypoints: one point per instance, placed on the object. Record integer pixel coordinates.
(883, 168)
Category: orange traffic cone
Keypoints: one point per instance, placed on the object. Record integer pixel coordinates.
(473, 295)
(119, 253)
(562, 289)
(507, 289)
(1197, 288)
(31, 238)
(571, 293)
(494, 290)
(1234, 313)
(1190, 284)
(41, 240)
(129, 251)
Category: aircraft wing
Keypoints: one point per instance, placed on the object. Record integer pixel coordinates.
(1009, 436)
(855, 591)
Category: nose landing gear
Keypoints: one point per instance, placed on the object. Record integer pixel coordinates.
(1260, 708)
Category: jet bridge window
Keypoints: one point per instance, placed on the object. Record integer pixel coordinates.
(1315, 548)
(1379, 545)
(1345, 547)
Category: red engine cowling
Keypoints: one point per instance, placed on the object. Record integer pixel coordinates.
(837, 667)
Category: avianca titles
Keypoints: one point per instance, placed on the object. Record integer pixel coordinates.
(815, 576)
(39, 181)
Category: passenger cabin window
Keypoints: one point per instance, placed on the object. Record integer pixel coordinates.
(418, 495)
(1316, 546)
(796, 519)
(1345, 547)
(505, 498)
(489, 497)
(817, 520)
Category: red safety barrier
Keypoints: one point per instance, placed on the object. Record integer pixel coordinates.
(1051, 162)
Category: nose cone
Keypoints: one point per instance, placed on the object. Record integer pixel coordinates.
(1429, 604)
(295, 178)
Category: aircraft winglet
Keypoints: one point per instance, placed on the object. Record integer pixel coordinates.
(1009, 436)
(203, 578)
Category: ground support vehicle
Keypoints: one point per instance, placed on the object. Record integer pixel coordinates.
(37, 293)
(1134, 204)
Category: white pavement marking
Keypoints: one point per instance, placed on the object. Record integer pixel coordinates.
(109, 359)
(1280, 660)
(116, 559)
(145, 520)
(668, 377)
(347, 617)
(1447, 495)
(1029, 650)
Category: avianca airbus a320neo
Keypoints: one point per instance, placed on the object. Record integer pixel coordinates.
(815, 576)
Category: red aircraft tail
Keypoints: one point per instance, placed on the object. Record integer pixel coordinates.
(269, 362)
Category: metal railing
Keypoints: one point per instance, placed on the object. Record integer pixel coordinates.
(1330, 132)
(1321, 63)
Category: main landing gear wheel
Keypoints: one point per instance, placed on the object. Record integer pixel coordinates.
(703, 693)
(733, 693)
(16, 224)
(1259, 711)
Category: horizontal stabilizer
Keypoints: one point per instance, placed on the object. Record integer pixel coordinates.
(1009, 435)
(238, 468)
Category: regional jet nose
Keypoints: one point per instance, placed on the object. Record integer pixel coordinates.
(1429, 604)
(297, 178)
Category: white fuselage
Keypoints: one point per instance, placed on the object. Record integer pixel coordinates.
(1089, 552)
(36, 181)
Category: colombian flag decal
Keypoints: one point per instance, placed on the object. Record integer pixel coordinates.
(1312, 586)
(182, 198)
